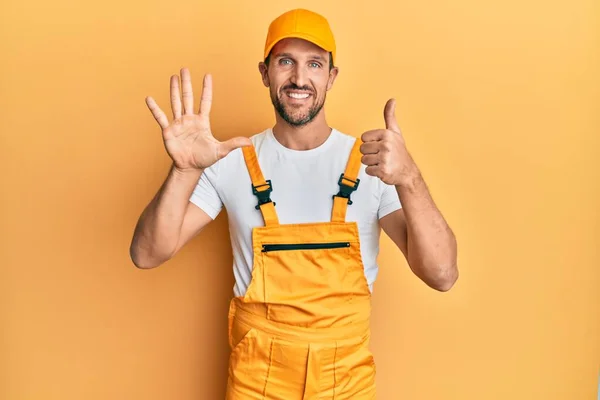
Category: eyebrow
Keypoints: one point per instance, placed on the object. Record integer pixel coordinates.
(313, 56)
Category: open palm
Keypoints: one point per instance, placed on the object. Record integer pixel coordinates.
(188, 138)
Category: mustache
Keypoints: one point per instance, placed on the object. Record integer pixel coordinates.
(296, 87)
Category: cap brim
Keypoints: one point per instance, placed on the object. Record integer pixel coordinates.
(304, 36)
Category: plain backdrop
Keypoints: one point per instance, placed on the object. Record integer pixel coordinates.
(499, 106)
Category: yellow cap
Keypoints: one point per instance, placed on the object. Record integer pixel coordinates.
(303, 24)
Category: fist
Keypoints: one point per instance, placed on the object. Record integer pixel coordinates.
(384, 151)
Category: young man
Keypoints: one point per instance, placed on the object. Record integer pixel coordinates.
(305, 204)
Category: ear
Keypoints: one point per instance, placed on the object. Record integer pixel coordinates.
(332, 75)
(264, 72)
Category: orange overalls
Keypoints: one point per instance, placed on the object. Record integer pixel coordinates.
(301, 331)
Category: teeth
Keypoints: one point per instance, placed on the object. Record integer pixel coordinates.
(298, 95)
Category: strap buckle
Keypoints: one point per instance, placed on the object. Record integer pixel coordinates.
(264, 196)
(346, 190)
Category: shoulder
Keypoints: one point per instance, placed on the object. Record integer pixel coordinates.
(343, 139)
(258, 138)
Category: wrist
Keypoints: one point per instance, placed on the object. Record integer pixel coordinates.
(186, 173)
(411, 182)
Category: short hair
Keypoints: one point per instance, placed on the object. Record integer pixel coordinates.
(268, 59)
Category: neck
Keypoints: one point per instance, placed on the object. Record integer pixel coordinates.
(305, 137)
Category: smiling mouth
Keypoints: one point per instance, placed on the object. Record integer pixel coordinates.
(298, 96)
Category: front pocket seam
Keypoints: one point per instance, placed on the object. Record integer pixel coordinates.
(268, 369)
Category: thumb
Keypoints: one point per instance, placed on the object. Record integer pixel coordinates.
(390, 117)
(228, 146)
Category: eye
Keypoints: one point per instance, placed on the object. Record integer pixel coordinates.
(285, 61)
(315, 65)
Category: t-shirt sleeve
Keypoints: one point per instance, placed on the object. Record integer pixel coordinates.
(389, 202)
(205, 194)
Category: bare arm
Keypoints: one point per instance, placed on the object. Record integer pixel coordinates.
(422, 234)
(169, 221)
(418, 229)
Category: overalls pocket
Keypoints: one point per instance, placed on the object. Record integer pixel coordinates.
(249, 364)
(315, 272)
(356, 369)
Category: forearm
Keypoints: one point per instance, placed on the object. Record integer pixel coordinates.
(159, 226)
(431, 244)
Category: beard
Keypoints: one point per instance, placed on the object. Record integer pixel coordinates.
(297, 119)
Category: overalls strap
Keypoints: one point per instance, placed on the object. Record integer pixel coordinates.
(348, 183)
(260, 187)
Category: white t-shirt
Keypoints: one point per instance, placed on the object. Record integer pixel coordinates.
(303, 185)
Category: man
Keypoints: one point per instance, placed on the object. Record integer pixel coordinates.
(305, 204)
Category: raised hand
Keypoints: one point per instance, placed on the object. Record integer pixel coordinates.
(385, 154)
(188, 138)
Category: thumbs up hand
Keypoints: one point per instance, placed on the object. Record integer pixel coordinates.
(385, 154)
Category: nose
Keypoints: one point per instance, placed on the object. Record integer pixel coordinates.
(299, 76)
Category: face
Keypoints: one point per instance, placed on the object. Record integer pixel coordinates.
(298, 78)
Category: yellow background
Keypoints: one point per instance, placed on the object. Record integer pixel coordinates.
(499, 104)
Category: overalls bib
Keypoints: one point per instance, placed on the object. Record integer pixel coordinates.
(301, 331)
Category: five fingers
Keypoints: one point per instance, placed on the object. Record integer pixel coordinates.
(188, 98)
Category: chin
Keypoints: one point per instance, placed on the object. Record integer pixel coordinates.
(297, 118)
(297, 112)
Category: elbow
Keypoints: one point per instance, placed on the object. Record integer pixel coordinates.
(141, 260)
(143, 264)
(445, 279)
(439, 277)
